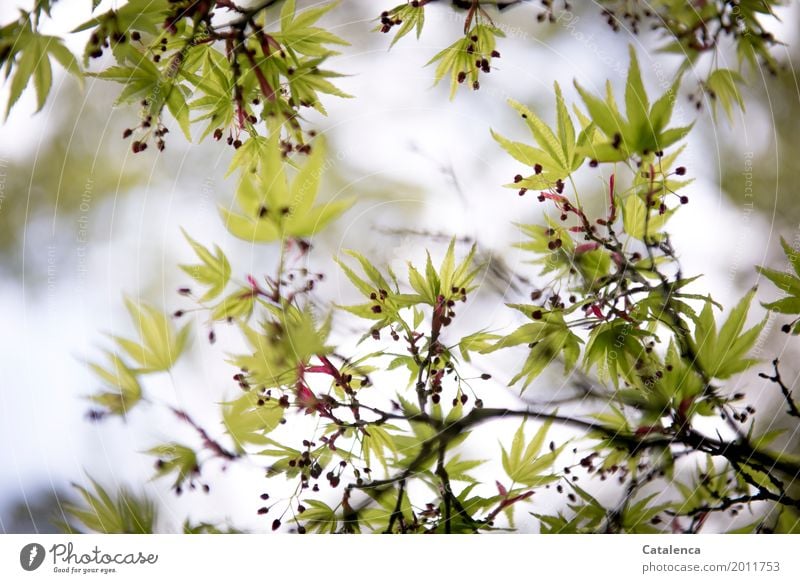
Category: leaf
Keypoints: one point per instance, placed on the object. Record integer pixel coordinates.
(122, 513)
(464, 60)
(786, 282)
(643, 131)
(411, 16)
(176, 103)
(722, 88)
(615, 348)
(236, 305)
(523, 464)
(272, 208)
(283, 344)
(548, 339)
(128, 391)
(318, 517)
(723, 354)
(637, 105)
(214, 271)
(34, 63)
(298, 33)
(558, 153)
(140, 78)
(248, 422)
(178, 459)
(376, 441)
(640, 222)
(161, 344)
(457, 468)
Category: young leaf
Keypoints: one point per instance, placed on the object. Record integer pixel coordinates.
(161, 344)
(558, 153)
(722, 88)
(272, 209)
(128, 391)
(548, 338)
(723, 354)
(214, 272)
(523, 464)
(178, 459)
(786, 282)
(34, 64)
(122, 513)
(643, 130)
(464, 60)
(249, 418)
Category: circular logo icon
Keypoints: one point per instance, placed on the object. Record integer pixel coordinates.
(31, 556)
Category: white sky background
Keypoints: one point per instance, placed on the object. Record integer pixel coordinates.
(398, 128)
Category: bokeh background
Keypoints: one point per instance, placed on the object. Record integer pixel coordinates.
(83, 222)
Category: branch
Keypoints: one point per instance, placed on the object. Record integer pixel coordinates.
(793, 411)
(208, 442)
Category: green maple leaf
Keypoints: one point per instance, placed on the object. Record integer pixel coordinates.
(723, 353)
(161, 344)
(643, 130)
(214, 271)
(271, 208)
(787, 282)
(524, 465)
(559, 153)
(548, 338)
(127, 391)
(31, 52)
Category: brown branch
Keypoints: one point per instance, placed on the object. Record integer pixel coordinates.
(793, 410)
(208, 441)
